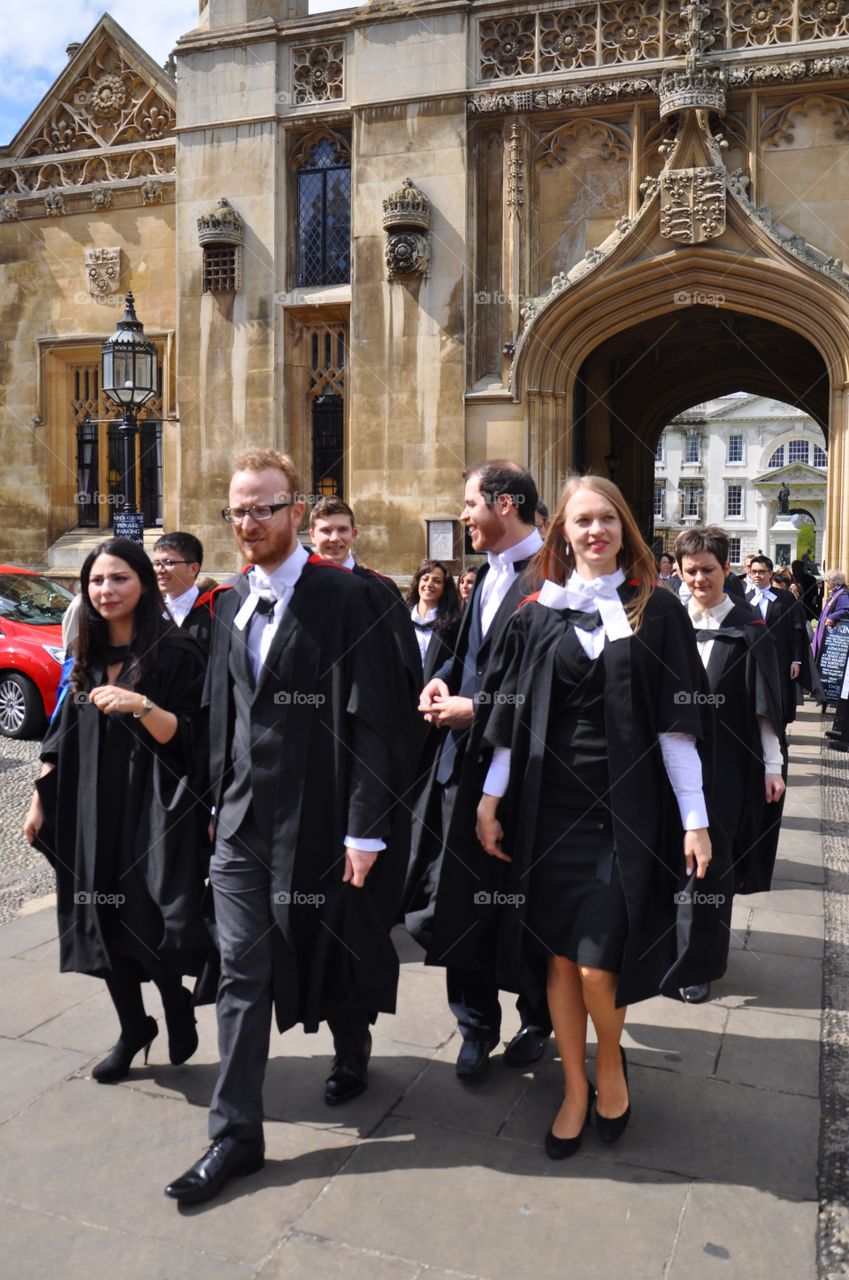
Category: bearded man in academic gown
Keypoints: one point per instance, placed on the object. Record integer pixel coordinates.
(300, 751)
(743, 717)
(500, 502)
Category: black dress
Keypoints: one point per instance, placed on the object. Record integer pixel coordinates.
(576, 905)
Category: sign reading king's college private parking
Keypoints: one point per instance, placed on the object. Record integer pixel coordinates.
(128, 524)
(833, 660)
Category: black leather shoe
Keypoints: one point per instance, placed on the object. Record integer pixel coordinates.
(561, 1148)
(526, 1047)
(611, 1128)
(117, 1065)
(227, 1158)
(473, 1059)
(696, 994)
(348, 1076)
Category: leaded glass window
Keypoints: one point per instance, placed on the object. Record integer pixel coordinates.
(324, 216)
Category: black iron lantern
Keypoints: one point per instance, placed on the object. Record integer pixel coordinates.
(128, 377)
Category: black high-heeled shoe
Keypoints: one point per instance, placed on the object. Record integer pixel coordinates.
(117, 1065)
(561, 1148)
(611, 1128)
(182, 1029)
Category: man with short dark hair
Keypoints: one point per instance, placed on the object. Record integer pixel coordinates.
(177, 559)
(500, 504)
(744, 730)
(300, 748)
(784, 619)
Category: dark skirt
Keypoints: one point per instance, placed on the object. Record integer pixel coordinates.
(576, 904)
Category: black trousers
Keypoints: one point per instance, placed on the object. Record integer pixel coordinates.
(473, 997)
(249, 942)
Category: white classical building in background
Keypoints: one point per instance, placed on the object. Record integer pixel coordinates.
(724, 462)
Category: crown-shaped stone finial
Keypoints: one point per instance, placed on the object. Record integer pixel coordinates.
(221, 225)
(406, 207)
(690, 88)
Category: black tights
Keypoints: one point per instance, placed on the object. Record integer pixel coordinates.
(124, 986)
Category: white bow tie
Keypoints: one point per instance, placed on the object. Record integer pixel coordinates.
(600, 593)
(497, 562)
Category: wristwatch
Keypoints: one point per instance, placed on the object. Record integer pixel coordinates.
(147, 706)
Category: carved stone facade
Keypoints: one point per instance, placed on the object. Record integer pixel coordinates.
(620, 209)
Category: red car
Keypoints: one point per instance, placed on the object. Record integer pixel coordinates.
(31, 653)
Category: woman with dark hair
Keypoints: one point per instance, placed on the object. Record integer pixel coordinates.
(591, 714)
(117, 807)
(466, 585)
(434, 610)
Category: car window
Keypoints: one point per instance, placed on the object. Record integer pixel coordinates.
(32, 598)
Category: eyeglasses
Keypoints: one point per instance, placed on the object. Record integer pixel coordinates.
(235, 515)
(169, 564)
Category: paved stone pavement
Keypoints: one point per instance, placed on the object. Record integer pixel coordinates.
(421, 1178)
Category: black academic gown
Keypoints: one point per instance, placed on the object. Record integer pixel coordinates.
(158, 819)
(321, 742)
(461, 674)
(650, 684)
(743, 672)
(785, 623)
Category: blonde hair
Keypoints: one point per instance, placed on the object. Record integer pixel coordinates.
(556, 560)
(269, 460)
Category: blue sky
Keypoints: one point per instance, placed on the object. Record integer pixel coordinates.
(35, 34)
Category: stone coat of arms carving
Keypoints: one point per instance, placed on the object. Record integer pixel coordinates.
(103, 271)
(692, 204)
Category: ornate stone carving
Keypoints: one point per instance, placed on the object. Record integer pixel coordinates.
(151, 191)
(689, 87)
(109, 104)
(515, 170)
(103, 271)
(630, 31)
(507, 47)
(9, 211)
(54, 203)
(777, 128)
(823, 19)
(604, 139)
(101, 198)
(221, 225)
(760, 22)
(567, 39)
(406, 220)
(561, 96)
(319, 72)
(692, 204)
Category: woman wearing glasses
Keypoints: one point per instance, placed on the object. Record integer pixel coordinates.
(117, 808)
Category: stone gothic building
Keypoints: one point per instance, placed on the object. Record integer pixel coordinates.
(396, 239)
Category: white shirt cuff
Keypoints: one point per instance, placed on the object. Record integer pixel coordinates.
(770, 745)
(498, 774)
(363, 845)
(684, 770)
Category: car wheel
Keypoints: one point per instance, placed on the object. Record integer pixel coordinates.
(21, 709)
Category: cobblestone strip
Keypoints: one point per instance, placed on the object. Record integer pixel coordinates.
(24, 874)
(833, 1224)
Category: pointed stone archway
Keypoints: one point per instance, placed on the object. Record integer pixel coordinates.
(701, 293)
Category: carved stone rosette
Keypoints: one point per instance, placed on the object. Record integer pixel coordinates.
(692, 204)
(318, 72)
(406, 221)
(103, 271)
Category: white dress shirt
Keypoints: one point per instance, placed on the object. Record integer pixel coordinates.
(711, 620)
(181, 606)
(424, 634)
(680, 757)
(502, 574)
(350, 563)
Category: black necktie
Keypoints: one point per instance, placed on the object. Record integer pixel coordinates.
(265, 606)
